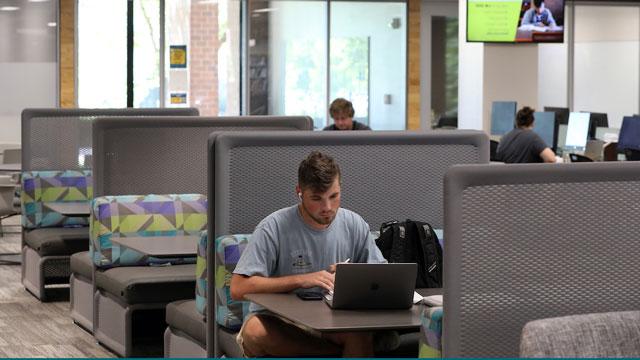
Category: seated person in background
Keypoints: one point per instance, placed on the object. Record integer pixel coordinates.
(522, 144)
(297, 248)
(538, 15)
(341, 111)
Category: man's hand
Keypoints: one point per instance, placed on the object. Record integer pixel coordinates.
(323, 279)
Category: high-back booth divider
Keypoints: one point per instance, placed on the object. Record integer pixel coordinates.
(534, 241)
(56, 165)
(150, 185)
(385, 175)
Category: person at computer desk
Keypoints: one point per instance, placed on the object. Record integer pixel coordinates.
(296, 248)
(522, 144)
(538, 15)
(341, 111)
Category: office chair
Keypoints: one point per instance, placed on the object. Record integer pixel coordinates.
(632, 154)
(610, 152)
(612, 334)
(579, 158)
(493, 150)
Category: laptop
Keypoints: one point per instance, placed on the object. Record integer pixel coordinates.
(373, 286)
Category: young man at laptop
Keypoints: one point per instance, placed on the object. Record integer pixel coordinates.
(296, 248)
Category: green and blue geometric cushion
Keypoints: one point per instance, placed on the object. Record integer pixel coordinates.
(39, 187)
(431, 332)
(229, 313)
(142, 215)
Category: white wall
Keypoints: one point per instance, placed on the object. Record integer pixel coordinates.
(470, 76)
(607, 41)
(510, 74)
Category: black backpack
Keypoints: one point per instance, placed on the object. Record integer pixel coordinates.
(413, 241)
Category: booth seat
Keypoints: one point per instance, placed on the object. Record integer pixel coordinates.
(50, 238)
(132, 288)
(185, 319)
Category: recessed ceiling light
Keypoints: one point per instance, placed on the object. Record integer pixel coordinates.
(9, 8)
(38, 1)
(52, 24)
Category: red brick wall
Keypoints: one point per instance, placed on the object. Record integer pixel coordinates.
(203, 73)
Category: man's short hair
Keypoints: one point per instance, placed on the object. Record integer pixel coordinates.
(341, 106)
(318, 172)
(538, 3)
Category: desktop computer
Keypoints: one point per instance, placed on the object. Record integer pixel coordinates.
(597, 120)
(561, 118)
(544, 125)
(503, 117)
(577, 132)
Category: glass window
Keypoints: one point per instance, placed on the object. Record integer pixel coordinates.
(287, 68)
(28, 64)
(606, 60)
(368, 60)
(146, 54)
(102, 54)
(202, 55)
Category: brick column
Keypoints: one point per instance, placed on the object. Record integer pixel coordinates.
(203, 61)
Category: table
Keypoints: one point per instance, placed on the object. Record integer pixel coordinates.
(539, 36)
(318, 316)
(16, 167)
(77, 209)
(161, 246)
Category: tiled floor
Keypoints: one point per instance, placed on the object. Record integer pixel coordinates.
(29, 328)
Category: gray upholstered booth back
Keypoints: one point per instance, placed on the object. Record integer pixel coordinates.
(60, 139)
(385, 175)
(526, 242)
(164, 155)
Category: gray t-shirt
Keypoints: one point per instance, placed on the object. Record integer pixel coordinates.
(283, 244)
(521, 146)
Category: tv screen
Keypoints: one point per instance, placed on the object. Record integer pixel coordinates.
(521, 21)
(503, 117)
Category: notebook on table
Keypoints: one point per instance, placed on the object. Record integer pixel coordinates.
(373, 286)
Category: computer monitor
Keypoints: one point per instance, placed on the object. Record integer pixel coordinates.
(597, 120)
(629, 137)
(503, 117)
(577, 131)
(607, 134)
(545, 126)
(562, 137)
(562, 114)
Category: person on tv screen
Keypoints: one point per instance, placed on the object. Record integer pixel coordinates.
(538, 15)
(522, 144)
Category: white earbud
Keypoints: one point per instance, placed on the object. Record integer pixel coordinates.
(300, 196)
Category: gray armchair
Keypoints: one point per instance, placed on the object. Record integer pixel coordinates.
(613, 334)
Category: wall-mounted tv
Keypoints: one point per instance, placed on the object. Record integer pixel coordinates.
(515, 21)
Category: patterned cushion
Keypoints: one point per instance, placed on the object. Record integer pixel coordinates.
(142, 215)
(431, 332)
(39, 187)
